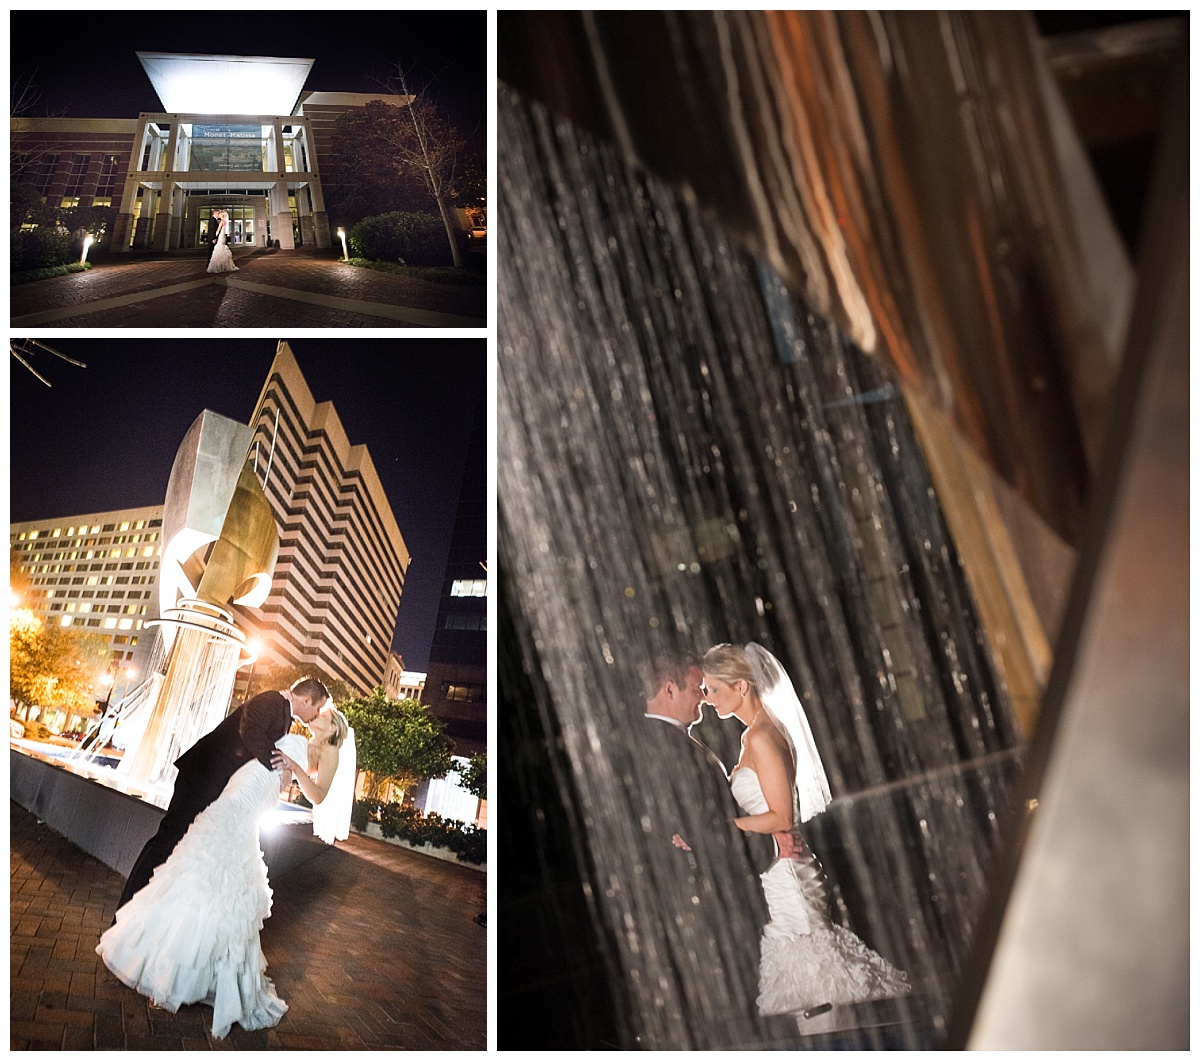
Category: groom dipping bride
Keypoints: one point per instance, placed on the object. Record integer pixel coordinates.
(188, 923)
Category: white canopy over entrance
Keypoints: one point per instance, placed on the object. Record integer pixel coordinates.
(225, 84)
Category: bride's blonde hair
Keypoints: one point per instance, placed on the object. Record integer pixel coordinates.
(729, 663)
(341, 727)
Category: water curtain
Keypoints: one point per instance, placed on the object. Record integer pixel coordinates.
(689, 456)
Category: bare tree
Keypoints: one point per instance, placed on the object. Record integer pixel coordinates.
(23, 96)
(430, 146)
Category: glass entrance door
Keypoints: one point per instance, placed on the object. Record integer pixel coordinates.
(241, 223)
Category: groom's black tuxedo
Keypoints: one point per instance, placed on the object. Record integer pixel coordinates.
(214, 226)
(248, 733)
(695, 801)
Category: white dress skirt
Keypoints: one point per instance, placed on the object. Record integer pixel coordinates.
(222, 258)
(807, 960)
(192, 933)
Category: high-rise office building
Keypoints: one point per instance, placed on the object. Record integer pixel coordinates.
(97, 573)
(456, 681)
(342, 560)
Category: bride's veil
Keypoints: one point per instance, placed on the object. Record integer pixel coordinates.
(785, 710)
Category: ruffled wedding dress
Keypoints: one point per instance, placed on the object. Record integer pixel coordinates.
(806, 959)
(222, 257)
(192, 933)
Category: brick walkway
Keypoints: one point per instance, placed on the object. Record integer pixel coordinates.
(269, 289)
(372, 946)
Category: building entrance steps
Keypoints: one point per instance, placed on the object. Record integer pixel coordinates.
(269, 289)
(373, 947)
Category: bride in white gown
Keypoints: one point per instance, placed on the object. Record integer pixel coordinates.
(222, 257)
(779, 781)
(192, 933)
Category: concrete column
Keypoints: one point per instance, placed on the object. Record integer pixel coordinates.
(275, 146)
(178, 205)
(308, 234)
(320, 219)
(281, 216)
(321, 234)
(145, 223)
(162, 216)
(123, 226)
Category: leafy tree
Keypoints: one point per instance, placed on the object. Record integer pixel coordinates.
(51, 666)
(81, 220)
(399, 741)
(474, 778)
(26, 206)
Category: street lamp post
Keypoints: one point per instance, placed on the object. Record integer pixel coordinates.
(110, 679)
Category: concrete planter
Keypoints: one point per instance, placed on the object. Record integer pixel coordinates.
(444, 853)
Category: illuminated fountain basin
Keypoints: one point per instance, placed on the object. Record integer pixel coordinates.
(110, 818)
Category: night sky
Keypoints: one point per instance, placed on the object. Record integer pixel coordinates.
(84, 65)
(104, 437)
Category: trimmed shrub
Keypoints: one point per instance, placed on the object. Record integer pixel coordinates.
(39, 248)
(29, 275)
(413, 827)
(435, 274)
(410, 239)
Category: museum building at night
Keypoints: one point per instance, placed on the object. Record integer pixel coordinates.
(236, 133)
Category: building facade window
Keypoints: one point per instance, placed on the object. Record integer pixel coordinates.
(79, 165)
(467, 587)
(463, 693)
(46, 167)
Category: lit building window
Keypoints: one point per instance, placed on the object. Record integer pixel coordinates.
(109, 624)
(148, 551)
(125, 526)
(466, 693)
(69, 202)
(125, 624)
(467, 587)
(67, 620)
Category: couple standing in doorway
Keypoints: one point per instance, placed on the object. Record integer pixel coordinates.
(218, 234)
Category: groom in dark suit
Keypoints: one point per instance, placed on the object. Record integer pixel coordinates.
(205, 768)
(210, 237)
(702, 869)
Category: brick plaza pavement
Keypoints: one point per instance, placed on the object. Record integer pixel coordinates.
(372, 946)
(270, 289)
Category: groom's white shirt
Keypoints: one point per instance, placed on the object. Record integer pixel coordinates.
(667, 718)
